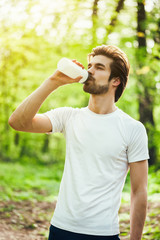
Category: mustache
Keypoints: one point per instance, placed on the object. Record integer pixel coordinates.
(90, 77)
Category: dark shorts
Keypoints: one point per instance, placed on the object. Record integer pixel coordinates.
(59, 234)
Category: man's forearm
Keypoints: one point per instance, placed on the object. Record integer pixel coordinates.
(30, 106)
(138, 214)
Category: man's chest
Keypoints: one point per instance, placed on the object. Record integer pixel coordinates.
(103, 138)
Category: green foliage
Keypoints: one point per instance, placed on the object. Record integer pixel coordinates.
(154, 181)
(29, 181)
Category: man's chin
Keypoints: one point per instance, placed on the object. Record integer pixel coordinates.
(85, 88)
(88, 89)
(92, 89)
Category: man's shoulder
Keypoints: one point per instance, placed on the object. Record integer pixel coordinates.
(71, 109)
(66, 112)
(133, 129)
(129, 121)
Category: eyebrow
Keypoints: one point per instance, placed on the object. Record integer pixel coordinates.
(97, 64)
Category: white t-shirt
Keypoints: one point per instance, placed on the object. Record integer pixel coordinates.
(98, 150)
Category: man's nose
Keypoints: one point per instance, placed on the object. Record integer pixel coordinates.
(91, 70)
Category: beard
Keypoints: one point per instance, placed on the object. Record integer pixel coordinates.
(91, 87)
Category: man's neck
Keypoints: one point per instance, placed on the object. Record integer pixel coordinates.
(101, 104)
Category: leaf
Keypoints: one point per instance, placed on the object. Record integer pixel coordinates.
(140, 34)
(142, 71)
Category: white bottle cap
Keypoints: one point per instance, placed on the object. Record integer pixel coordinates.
(85, 76)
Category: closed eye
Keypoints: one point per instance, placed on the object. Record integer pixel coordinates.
(99, 68)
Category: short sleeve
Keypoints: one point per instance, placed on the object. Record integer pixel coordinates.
(59, 118)
(138, 144)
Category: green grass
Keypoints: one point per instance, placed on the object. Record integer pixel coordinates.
(37, 182)
(28, 182)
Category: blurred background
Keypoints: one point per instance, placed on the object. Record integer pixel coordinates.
(34, 36)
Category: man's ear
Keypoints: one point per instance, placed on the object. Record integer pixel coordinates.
(116, 82)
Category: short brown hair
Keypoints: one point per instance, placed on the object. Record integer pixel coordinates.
(119, 67)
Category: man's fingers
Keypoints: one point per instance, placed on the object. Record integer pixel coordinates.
(78, 63)
(78, 78)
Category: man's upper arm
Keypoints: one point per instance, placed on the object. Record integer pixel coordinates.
(139, 175)
(40, 124)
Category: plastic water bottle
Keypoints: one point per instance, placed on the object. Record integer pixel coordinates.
(71, 69)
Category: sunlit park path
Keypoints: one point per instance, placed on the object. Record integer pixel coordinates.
(30, 221)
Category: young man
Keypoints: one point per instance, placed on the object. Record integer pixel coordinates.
(101, 143)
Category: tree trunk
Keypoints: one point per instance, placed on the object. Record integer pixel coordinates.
(94, 21)
(113, 21)
(115, 16)
(45, 143)
(16, 138)
(145, 99)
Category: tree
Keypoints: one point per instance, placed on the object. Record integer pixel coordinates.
(94, 21)
(145, 98)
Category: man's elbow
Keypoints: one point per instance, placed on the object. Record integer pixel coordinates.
(12, 123)
(15, 124)
(140, 195)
